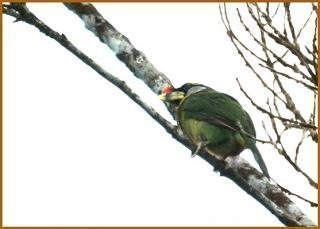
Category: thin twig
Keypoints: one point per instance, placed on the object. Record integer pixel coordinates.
(289, 20)
(305, 125)
(290, 78)
(303, 136)
(227, 26)
(284, 153)
(281, 39)
(312, 204)
(278, 58)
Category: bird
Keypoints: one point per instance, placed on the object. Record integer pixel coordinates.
(213, 120)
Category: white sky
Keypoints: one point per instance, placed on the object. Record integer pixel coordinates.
(77, 151)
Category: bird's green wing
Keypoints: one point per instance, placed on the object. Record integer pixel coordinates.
(217, 109)
(223, 110)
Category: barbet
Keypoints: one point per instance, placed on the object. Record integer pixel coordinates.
(214, 121)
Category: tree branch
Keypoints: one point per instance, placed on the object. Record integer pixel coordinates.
(236, 169)
(134, 59)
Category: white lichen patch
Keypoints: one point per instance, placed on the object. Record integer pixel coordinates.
(113, 43)
(233, 162)
(117, 42)
(125, 46)
(299, 216)
(261, 184)
(89, 21)
(141, 73)
(140, 59)
(180, 132)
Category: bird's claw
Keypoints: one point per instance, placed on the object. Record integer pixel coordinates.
(200, 146)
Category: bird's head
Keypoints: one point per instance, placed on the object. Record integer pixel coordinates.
(176, 95)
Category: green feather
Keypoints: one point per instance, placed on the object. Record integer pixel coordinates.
(219, 120)
(259, 159)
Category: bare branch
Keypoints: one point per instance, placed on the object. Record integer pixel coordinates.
(277, 75)
(281, 39)
(288, 13)
(231, 36)
(278, 58)
(312, 204)
(305, 23)
(290, 77)
(278, 135)
(284, 153)
(305, 125)
(312, 118)
(298, 146)
(290, 105)
(315, 51)
(289, 102)
(134, 59)
(26, 16)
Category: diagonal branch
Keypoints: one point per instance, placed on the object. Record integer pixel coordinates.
(297, 123)
(289, 20)
(238, 170)
(312, 88)
(25, 15)
(134, 59)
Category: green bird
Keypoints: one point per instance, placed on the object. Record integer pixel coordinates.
(214, 121)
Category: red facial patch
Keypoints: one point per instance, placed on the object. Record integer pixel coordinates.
(167, 89)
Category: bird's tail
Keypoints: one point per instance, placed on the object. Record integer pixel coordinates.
(259, 159)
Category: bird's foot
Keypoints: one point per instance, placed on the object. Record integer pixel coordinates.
(200, 146)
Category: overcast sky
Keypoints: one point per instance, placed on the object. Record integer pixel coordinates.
(77, 151)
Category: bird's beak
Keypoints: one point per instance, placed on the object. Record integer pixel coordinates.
(163, 96)
(172, 96)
